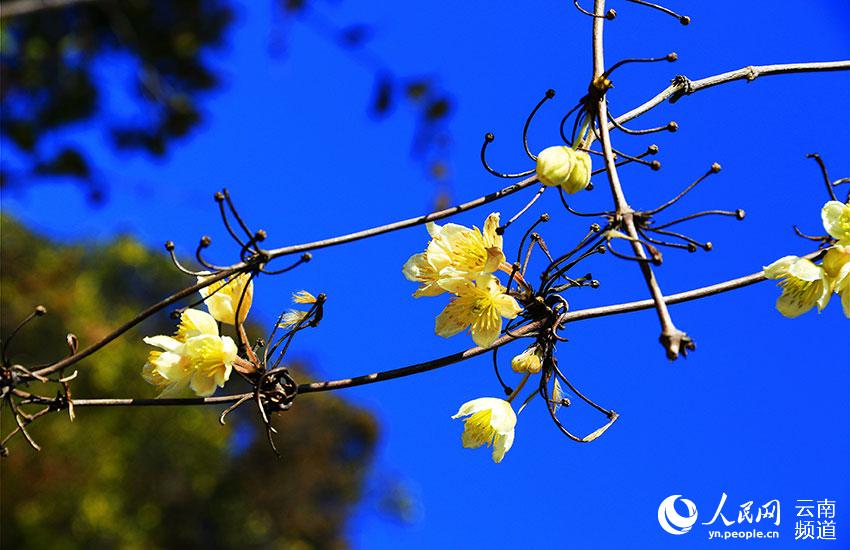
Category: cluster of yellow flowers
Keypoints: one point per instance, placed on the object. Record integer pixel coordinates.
(461, 261)
(197, 357)
(806, 284)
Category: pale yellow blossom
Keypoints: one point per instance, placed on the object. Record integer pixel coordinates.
(804, 285)
(836, 265)
(565, 167)
(223, 297)
(196, 358)
(455, 251)
(478, 306)
(836, 221)
(530, 361)
(490, 422)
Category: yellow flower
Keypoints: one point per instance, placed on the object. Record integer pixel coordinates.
(196, 357)
(565, 167)
(803, 283)
(836, 221)
(480, 306)
(455, 251)
(303, 297)
(491, 422)
(530, 361)
(836, 265)
(222, 297)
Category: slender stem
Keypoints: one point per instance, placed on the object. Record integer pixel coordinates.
(519, 387)
(671, 337)
(572, 316)
(403, 224)
(68, 361)
(164, 402)
(683, 86)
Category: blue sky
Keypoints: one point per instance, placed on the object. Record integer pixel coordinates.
(759, 411)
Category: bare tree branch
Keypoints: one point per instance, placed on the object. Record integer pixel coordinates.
(569, 317)
(681, 86)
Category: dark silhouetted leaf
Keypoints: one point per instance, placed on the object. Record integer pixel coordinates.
(437, 110)
(69, 162)
(383, 95)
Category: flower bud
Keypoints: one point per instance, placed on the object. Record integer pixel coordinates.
(528, 361)
(580, 176)
(564, 167)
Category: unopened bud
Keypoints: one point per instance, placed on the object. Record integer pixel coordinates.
(564, 167)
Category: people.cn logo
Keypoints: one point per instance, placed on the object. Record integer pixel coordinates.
(673, 522)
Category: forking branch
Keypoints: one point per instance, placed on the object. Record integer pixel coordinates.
(535, 313)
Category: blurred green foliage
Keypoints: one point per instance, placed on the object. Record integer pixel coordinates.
(50, 78)
(156, 477)
(54, 63)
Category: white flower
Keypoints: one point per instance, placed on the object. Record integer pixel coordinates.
(490, 421)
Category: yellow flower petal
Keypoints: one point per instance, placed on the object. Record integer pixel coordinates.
(804, 285)
(198, 357)
(836, 221)
(490, 421)
(479, 306)
(194, 322)
(225, 296)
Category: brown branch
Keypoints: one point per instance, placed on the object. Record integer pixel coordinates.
(681, 86)
(674, 340)
(330, 385)
(403, 224)
(578, 315)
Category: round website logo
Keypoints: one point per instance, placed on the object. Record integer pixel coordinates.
(671, 521)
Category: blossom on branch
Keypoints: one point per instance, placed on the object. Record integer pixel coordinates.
(196, 358)
(490, 421)
(478, 306)
(455, 251)
(223, 297)
(562, 166)
(530, 361)
(805, 284)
